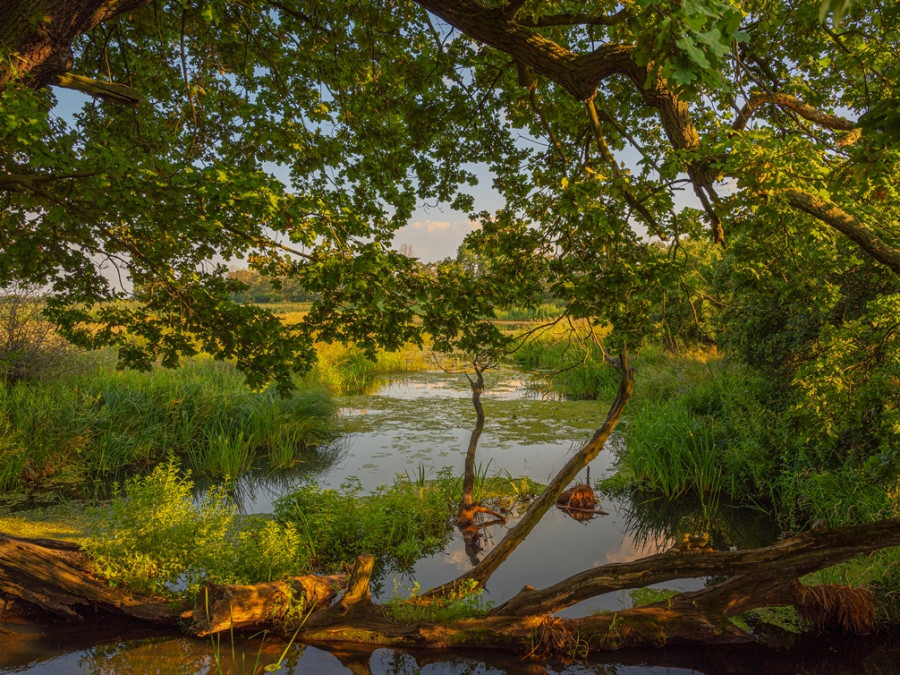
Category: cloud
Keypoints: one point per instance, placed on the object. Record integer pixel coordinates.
(434, 239)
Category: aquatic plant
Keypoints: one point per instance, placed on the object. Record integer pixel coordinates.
(101, 425)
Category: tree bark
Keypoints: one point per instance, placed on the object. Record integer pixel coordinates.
(36, 36)
(52, 576)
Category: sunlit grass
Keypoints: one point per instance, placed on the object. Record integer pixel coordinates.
(90, 428)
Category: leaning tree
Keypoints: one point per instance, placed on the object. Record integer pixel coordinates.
(300, 135)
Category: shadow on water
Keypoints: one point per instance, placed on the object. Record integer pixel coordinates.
(423, 420)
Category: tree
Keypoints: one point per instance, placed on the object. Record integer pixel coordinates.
(300, 135)
(370, 108)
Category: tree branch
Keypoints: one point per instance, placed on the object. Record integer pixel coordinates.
(783, 561)
(805, 111)
(12, 181)
(847, 224)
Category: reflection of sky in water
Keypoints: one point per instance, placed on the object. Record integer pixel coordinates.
(423, 420)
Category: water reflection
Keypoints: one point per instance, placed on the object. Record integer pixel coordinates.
(651, 520)
(185, 656)
(425, 420)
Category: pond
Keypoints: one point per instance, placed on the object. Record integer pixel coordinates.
(417, 425)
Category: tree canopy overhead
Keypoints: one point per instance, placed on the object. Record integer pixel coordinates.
(300, 135)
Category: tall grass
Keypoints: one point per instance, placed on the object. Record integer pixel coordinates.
(344, 369)
(544, 312)
(103, 424)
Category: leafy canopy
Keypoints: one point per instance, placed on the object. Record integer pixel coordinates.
(299, 135)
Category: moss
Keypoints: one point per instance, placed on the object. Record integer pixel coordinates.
(763, 619)
(67, 521)
(648, 596)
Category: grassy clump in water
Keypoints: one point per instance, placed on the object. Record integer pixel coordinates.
(87, 428)
(641, 597)
(466, 603)
(155, 536)
(398, 523)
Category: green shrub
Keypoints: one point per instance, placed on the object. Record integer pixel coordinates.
(399, 523)
(155, 536)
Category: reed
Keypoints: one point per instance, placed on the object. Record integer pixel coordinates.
(103, 425)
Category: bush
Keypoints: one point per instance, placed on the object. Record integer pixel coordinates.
(30, 348)
(156, 537)
(399, 523)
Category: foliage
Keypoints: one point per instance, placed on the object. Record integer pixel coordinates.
(264, 290)
(398, 523)
(263, 138)
(90, 427)
(155, 535)
(30, 348)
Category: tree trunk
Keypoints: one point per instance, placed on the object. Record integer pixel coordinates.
(483, 571)
(53, 577)
(36, 36)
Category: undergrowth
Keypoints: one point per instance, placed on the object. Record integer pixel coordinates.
(94, 427)
(155, 535)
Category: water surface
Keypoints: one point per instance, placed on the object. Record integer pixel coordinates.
(420, 424)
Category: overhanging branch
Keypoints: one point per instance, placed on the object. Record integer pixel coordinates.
(793, 103)
(849, 225)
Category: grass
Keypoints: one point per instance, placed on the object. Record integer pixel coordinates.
(467, 603)
(87, 429)
(343, 369)
(546, 311)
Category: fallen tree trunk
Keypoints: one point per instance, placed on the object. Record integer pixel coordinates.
(53, 576)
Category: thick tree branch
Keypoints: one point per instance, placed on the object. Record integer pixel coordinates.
(847, 224)
(15, 181)
(793, 103)
(108, 91)
(784, 560)
(38, 35)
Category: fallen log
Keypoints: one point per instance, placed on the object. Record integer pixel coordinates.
(221, 607)
(55, 577)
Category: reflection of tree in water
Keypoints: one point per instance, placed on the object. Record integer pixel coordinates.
(651, 520)
(186, 656)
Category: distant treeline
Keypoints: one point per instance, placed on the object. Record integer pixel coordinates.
(262, 289)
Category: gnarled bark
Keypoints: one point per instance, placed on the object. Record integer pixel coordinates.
(53, 577)
(36, 36)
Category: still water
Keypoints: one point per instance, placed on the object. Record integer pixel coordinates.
(417, 425)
